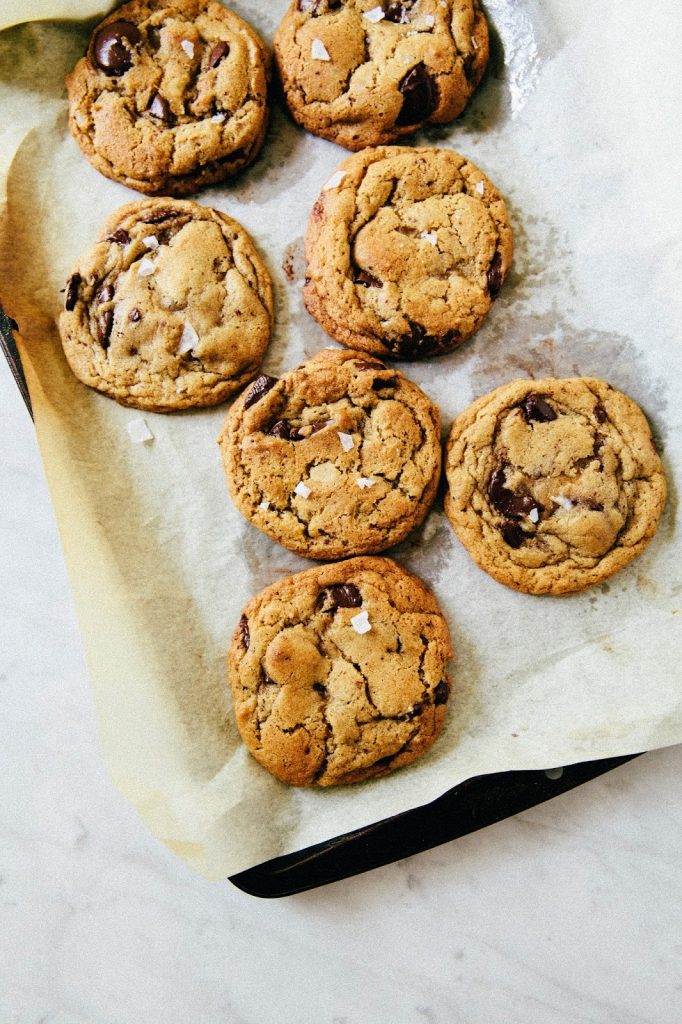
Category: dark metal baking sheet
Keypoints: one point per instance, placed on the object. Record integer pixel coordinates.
(464, 809)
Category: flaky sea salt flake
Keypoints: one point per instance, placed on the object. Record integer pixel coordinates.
(188, 47)
(264, 506)
(562, 502)
(151, 241)
(334, 181)
(346, 440)
(318, 51)
(360, 623)
(474, 43)
(364, 482)
(188, 340)
(375, 15)
(219, 117)
(429, 20)
(430, 236)
(139, 432)
(534, 515)
(480, 187)
(146, 268)
(302, 490)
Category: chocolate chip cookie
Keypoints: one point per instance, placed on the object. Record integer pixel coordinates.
(339, 457)
(339, 673)
(364, 72)
(171, 95)
(554, 485)
(170, 309)
(406, 251)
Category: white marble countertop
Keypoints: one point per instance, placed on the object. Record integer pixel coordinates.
(570, 912)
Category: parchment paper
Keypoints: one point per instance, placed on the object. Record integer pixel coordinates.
(583, 146)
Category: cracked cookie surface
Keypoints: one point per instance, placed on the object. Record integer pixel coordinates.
(320, 698)
(554, 485)
(339, 457)
(170, 309)
(171, 96)
(406, 250)
(364, 72)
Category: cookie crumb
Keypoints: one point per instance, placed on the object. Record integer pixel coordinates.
(302, 490)
(139, 432)
(146, 268)
(375, 15)
(347, 442)
(360, 623)
(318, 51)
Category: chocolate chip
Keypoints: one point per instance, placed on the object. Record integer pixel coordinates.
(260, 387)
(320, 688)
(72, 286)
(113, 47)
(495, 276)
(135, 316)
(384, 382)
(340, 595)
(243, 635)
(317, 7)
(513, 535)
(420, 96)
(164, 214)
(120, 236)
(440, 694)
(536, 408)
(159, 108)
(285, 430)
(508, 503)
(410, 715)
(419, 343)
(105, 322)
(219, 51)
(600, 413)
(318, 425)
(366, 280)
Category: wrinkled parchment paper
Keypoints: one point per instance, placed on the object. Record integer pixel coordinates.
(160, 562)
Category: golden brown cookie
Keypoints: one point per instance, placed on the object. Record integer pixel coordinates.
(554, 485)
(339, 673)
(364, 72)
(406, 250)
(339, 457)
(170, 309)
(171, 95)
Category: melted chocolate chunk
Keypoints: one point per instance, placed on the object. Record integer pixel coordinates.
(420, 96)
(367, 364)
(113, 47)
(285, 430)
(243, 634)
(513, 535)
(72, 286)
(340, 595)
(218, 53)
(495, 276)
(260, 387)
(398, 13)
(120, 236)
(536, 408)
(161, 215)
(160, 109)
(468, 66)
(440, 694)
(600, 413)
(418, 343)
(508, 503)
(384, 382)
(135, 316)
(367, 280)
(105, 321)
